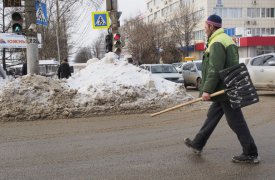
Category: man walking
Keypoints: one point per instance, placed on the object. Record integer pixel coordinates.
(64, 70)
(221, 53)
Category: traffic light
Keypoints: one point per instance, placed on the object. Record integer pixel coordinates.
(17, 22)
(117, 41)
(109, 43)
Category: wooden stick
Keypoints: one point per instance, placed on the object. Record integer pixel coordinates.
(187, 103)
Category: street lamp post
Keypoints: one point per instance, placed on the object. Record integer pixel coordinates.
(32, 42)
(4, 50)
(57, 30)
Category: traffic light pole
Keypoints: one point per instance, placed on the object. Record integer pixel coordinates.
(58, 30)
(4, 49)
(112, 8)
(32, 42)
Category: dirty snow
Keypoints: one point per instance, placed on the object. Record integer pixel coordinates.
(106, 86)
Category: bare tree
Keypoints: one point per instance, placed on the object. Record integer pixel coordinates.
(141, 40)
(66, 20)
(183, 24)
(98, 46)
(165, 40)
(83, 55)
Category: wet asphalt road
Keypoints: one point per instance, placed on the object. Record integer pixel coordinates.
(135, 147)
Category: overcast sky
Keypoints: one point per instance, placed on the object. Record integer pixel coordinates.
(131, 8)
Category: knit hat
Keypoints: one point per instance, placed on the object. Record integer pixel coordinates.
(214, 20)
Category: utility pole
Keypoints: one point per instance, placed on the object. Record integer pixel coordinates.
(4, 49)
(32, 42)
(65, 38)
(113, 15)
(58, 30)
(112, 8)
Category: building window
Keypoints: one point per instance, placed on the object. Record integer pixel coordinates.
(157, 15)
(263, 13)
(150, 18)
(174, 7)
(263, 31)
(149, 5)
(270, 12)
(254, 12)
(199, 35)
(268, 31)
(257, 12)
(267, 12)
(258, 32)
(165, 12)
(228, 12)
(157, 2)
(224, 13)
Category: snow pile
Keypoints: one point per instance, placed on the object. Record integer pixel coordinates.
(2, 82)
(35, 97)
(106, 86)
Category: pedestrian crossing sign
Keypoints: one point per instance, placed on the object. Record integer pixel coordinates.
(41, 13)
(100, 20)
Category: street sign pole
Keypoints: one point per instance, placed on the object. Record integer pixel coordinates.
(4, 49)
(58, 30)
(112, 7)
(32, 42)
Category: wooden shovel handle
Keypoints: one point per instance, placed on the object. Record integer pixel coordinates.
(187, 103)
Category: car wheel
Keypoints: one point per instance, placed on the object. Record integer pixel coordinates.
(185, 85)
(198, 83)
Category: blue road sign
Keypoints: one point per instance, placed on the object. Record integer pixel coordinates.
(41, 13)
(100, 20)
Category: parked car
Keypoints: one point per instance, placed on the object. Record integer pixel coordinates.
(191, 72)
(166, 71)
(178, 66)
(262, 71)
(47, 68)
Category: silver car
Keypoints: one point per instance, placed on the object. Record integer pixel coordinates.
(166, 71)
(191, 72)
(262, 71)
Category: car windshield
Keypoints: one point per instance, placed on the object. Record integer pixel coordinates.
(199, 64)
(163, 69)
(177, 64)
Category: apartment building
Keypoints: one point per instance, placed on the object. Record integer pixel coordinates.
(250, 22)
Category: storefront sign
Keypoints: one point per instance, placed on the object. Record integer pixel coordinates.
(10, 40)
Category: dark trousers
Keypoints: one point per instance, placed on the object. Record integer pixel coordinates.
(235, 120)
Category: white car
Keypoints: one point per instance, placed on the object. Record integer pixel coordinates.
(262, 71)
(166, 71)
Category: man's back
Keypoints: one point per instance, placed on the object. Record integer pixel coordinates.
(64, 70)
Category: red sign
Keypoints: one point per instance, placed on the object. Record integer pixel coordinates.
(257, 41)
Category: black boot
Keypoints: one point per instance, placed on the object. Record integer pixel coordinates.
(246, 159)
(190, 144)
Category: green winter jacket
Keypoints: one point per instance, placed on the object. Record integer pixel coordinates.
(221, 53)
